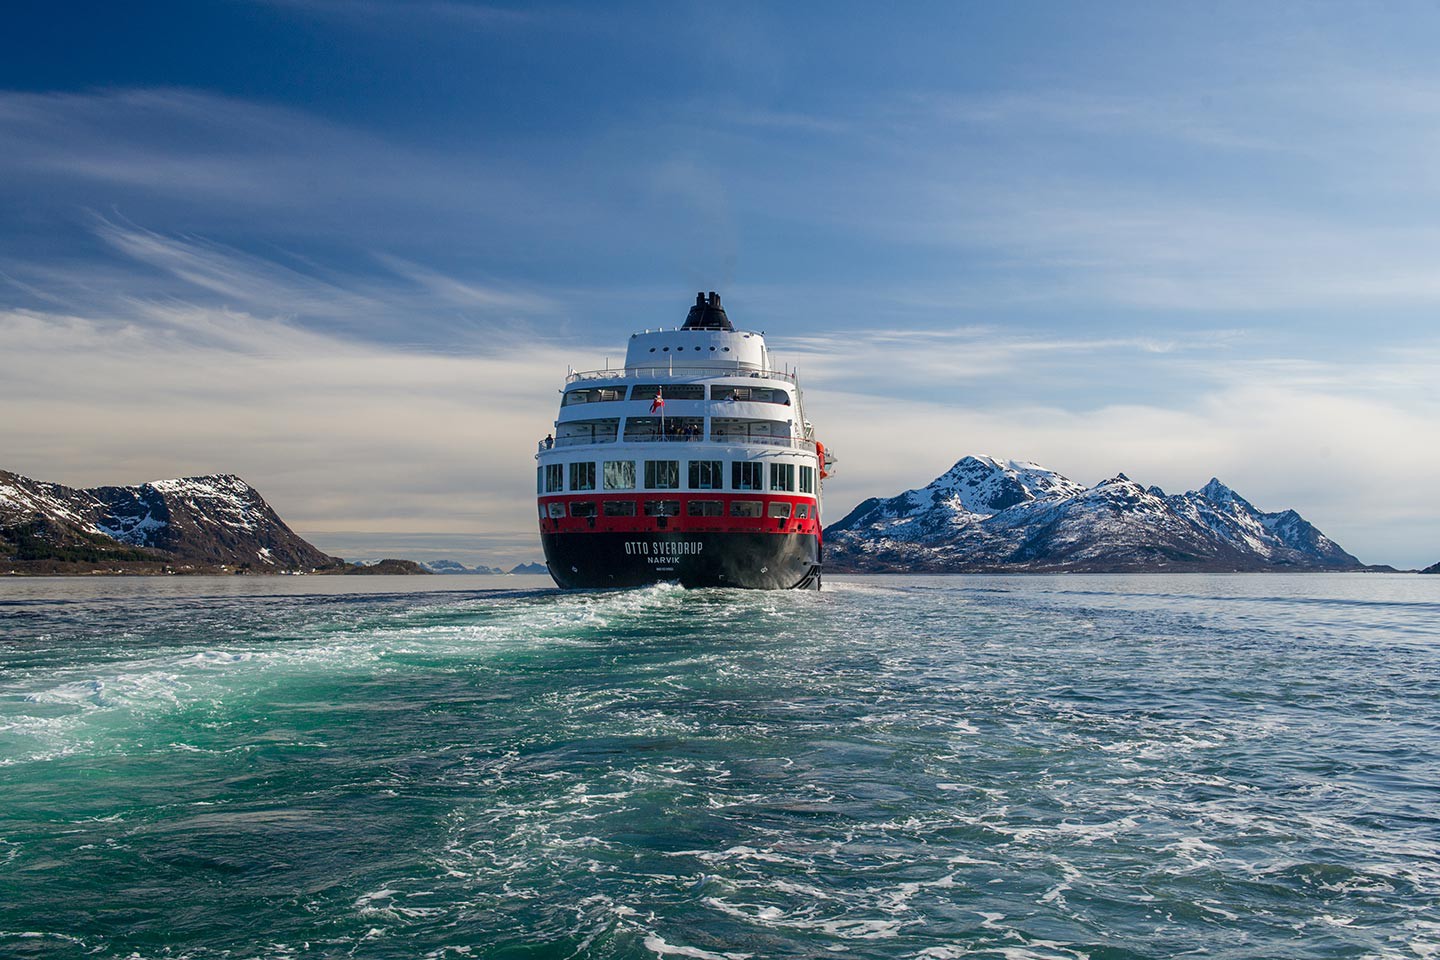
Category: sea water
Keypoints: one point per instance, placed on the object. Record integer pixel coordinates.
(1007, 767)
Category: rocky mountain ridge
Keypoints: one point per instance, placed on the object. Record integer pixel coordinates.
(985, 514)
(198, 522)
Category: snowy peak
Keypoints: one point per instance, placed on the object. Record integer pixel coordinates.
(1216, 492)
(985, 485)
(992, 514)
(980, 485)
(973, 490)
(221, 499)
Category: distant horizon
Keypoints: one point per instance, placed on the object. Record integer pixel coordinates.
(350, 251)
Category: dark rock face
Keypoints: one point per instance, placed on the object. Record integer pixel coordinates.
(529, 568)
(1432, 569)
(987, 515)
(204, 521)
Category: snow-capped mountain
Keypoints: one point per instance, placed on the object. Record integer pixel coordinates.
(1434, 568)
(210, 520)
(988, 514)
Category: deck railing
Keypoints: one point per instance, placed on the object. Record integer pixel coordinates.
(650, 374)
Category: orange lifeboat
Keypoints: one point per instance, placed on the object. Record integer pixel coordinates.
(820, 455)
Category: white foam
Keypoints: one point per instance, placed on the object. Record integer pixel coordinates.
(656, 944)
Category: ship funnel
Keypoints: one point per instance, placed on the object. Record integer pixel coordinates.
(707, 314)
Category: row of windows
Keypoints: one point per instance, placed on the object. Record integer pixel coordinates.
(605, 429)
(678, 391)
(671, 508)
(665, 475)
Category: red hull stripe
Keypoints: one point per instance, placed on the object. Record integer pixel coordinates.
(682, 522)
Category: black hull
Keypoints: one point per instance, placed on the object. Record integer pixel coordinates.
(760, 561)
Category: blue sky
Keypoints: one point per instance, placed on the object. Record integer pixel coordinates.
(347, 248)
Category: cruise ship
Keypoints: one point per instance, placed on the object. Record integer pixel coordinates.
(693, 464)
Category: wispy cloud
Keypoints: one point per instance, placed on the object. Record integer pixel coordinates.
(404, 303)
(167, 154)
(465, 293)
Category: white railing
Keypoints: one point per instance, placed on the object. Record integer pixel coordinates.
(798, 443)
(795, 443)
(702, 373)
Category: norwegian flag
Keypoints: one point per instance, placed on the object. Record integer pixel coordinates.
(659, 403)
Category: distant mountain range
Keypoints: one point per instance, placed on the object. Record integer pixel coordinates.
(985, 514)
(456, 567)
(1432, 569)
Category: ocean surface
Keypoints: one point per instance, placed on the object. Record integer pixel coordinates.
(929, 767)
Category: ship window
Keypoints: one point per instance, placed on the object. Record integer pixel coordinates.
(576, 432)
(619, 474)
(712, 349)
(539, 479)
(542, 511)
(802, 511)
(593, 395)
(557, 510)
(807, 479)
(707, 475)
(642, 428)
(726, 349)
(733, 428)
(662, 474)
(670, 391)
(744, 508)
(746, 476)
(753, 394)
(582, 508)
(780, 511)
(782, 476)
(662, 508)
(582, 476)
(619, 508)
(705, 508)
(554, 477)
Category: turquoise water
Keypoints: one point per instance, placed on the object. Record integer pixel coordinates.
(1006, 767)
